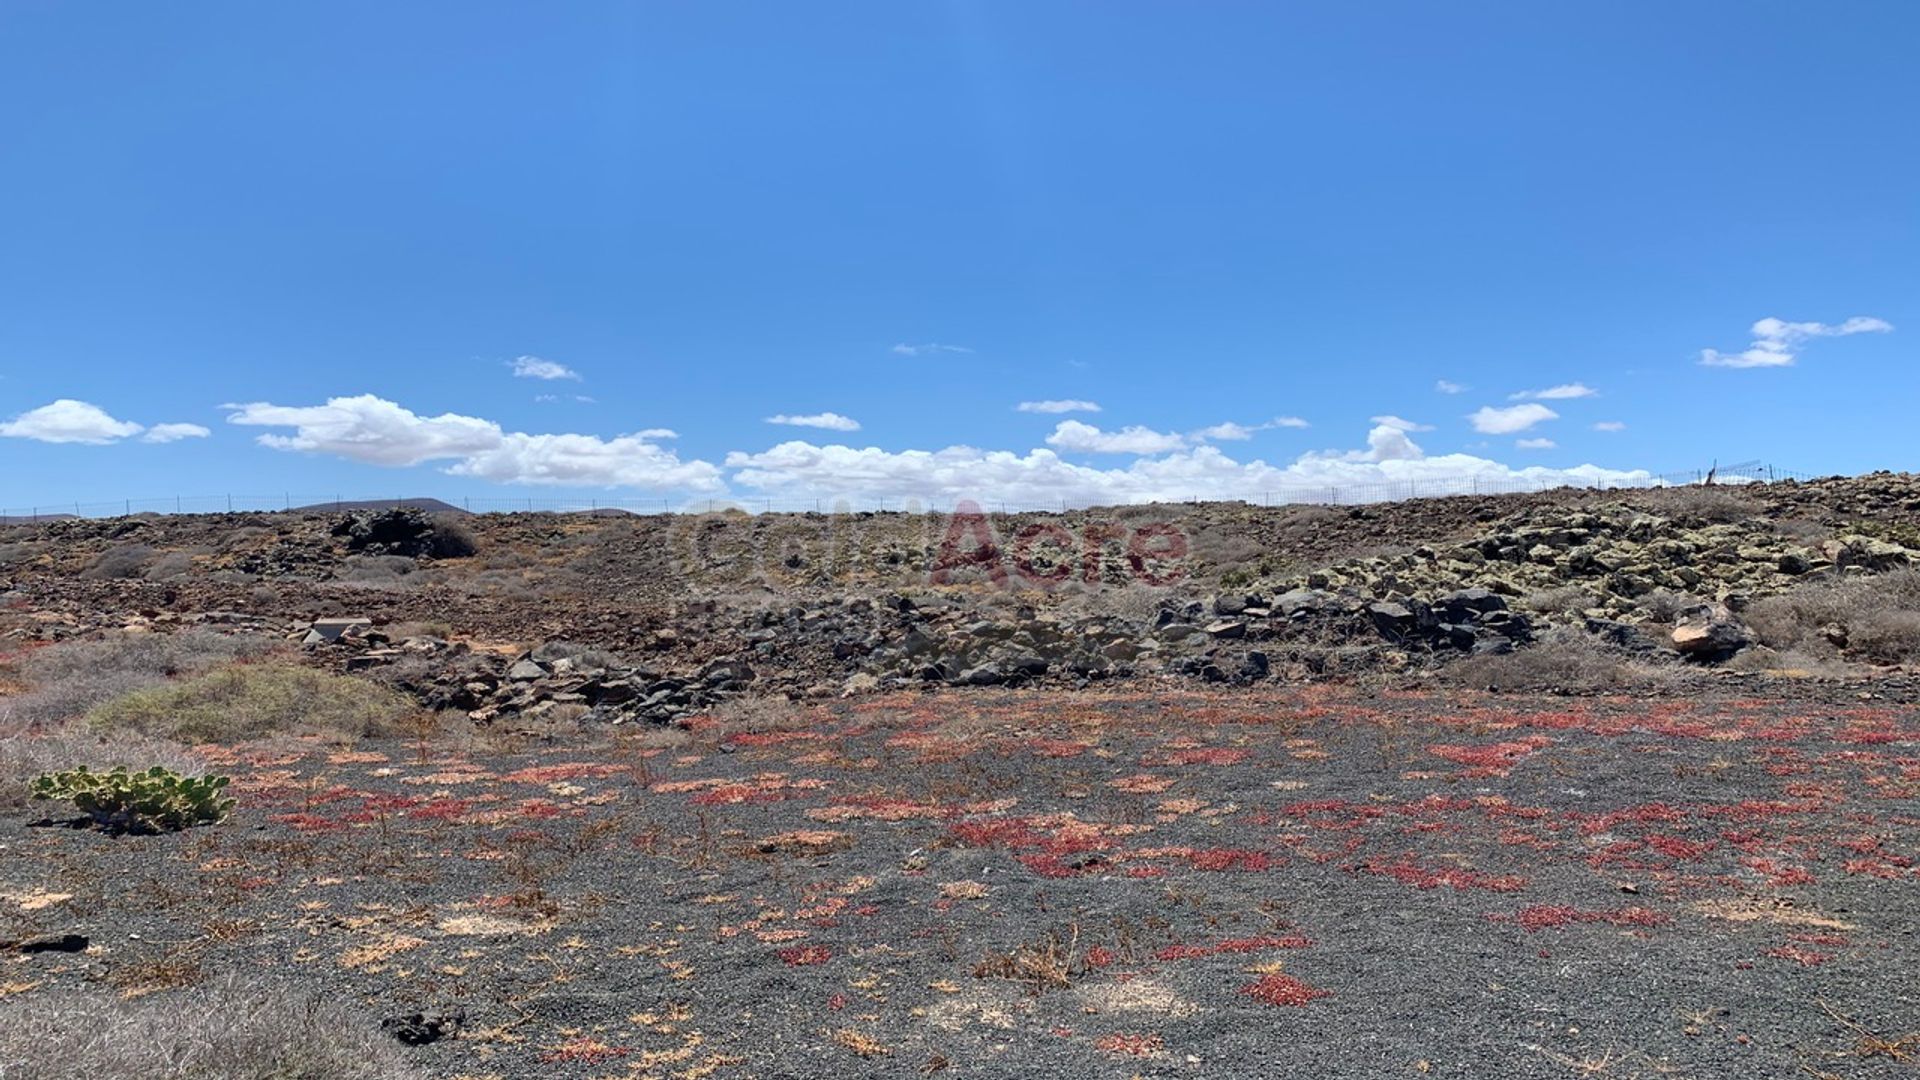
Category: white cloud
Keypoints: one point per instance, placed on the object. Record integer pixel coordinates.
(1065, 405)
(1041, 477)
(166, 433)
(1445, 386)
(1073, 435)
(375, 431)
(832, 421)
(1229, 431)
(1609, 425)
(1491, 421)
(1535, 444)
(371, 430)
(1777, 343)
(587, 461)
(1404, 425)
(929, 349)
(1555, 393)
(1389, 443)
(1225, 432)
(532, 367)
(69, 421)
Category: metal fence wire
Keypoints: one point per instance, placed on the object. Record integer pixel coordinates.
(1336, 494)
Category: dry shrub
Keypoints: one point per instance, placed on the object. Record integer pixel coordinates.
(375, 571)
(68, 679)
(754, 715)
(1879, 615)
(1563, 658)
(16, 554)
(1561, 600)
(1665, 605)
(1761, 659)
(1695, 502)
(125, 561)
(583, 656)
(252, 701)
(1046, 963)
(26, 754)
(451, 538)
(171, 565)
(1215, 548)
(231, 1030)
(1133, 602)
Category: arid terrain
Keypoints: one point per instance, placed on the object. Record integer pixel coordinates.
(1581, 784)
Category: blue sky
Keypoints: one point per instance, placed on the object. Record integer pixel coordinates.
(326, 236)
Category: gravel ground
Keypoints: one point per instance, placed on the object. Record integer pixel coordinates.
(1154, 883)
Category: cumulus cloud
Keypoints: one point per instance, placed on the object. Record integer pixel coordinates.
(832, 421)
(1535, 444)
(1072, 435)
(1491, 421)
(931, 348)
(1555, 393)
(1609, 425)
(69, 421)
(1225, 432)
(532, 367)
(1404, 425)
(1390, 463)
(1446, 386)
(1232, 432)
(166, 433)
(1065, 405)
(1387, 442)
(1777, 343)
(376, 431)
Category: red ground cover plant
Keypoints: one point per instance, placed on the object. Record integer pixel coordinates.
(1537, 917)
(1286, 990)
(1223, 859)
(1126, 1044)
(1804, 957)
(805, 955)
(1233, 946)
(1196, 756)
(1495, 760)
(553, 774)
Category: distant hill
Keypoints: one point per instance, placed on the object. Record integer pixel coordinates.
(29, 519)
(431, 506)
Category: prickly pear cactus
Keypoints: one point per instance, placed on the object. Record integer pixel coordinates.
(157, 800)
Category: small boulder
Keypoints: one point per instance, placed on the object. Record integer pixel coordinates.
(1710, 640)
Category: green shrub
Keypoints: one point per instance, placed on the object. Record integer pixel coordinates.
(158, 800)
(252, 701)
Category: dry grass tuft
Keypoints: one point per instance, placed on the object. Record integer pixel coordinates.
(1046, 963)
(68, 679)
(252, 701)
(1876, 619)
(1563, 659)
(24, 756)
(229, 1031)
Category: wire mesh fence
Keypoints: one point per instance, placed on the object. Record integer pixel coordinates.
(1327, 494)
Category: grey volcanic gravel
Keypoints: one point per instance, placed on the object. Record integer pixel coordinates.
(1157, 882)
